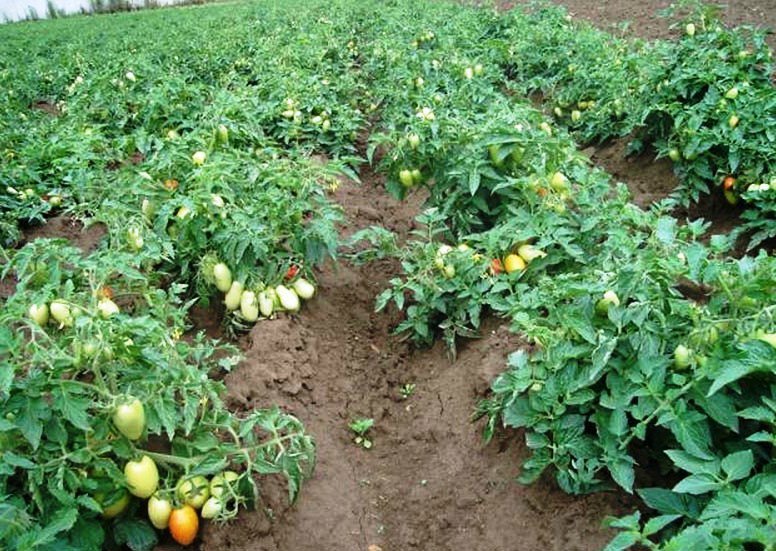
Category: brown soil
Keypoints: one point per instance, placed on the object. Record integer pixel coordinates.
(644, 21)
(61, 226)
(429, 482)
(48, 107)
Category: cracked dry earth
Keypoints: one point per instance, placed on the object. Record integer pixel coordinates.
(429, 483)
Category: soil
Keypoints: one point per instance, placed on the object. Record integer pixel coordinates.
(65, 227)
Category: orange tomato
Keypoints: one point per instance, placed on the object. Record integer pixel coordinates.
(171, 185)
(496, 266)
(104, 292)
(728, 183)
(184, 524)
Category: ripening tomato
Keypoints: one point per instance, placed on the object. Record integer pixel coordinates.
(293, 270)
(496, 267)
(728, 183)
(184, 525)
(513, 263)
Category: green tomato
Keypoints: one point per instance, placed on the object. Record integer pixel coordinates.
(674, 155)
(222, 134)
(682, 357)
(61, 313)
(142, 477)
(732, 93)
(610, 298)
(223, 277)
(212, 508)
(770, 338)
(493, 151)
(221, 482)
(39, 313)
(159, 510)
(129, 418)
(405, 177)
(559, 182)
(193, 491)
(113, 504)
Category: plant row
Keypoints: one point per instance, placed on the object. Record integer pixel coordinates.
(651, 352)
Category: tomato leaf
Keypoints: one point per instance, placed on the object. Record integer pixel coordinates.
(136, 534)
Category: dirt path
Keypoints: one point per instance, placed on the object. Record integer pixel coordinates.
(429, 483)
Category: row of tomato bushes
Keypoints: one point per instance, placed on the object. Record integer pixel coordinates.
(652, 350)
(106, 405)
(699, 100)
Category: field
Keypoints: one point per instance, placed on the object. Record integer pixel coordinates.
(360, 275)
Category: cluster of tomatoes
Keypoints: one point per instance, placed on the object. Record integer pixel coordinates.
(251, 303)
(177, 511)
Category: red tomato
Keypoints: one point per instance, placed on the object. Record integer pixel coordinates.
(496, 266)
(292, 271)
